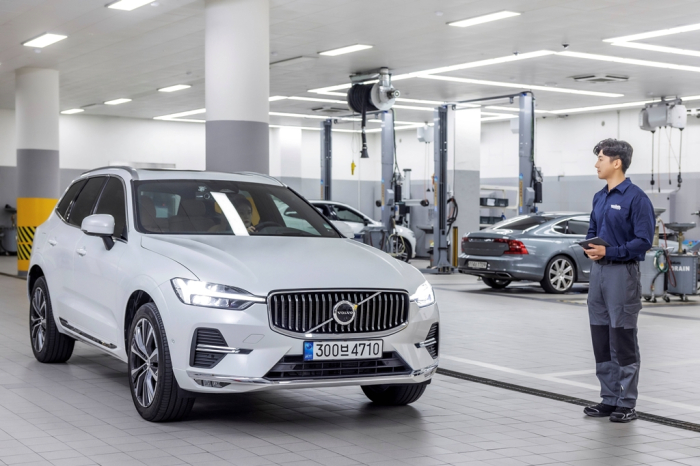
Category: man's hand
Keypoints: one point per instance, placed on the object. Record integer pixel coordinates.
(596, 252)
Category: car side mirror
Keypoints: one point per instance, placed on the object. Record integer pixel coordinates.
(365, 221)
(101, 225)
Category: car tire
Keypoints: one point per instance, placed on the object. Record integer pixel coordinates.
(395, 395)
(408, 251)
(496, 283)
(156, 393)
(559, 275)
(48, 344)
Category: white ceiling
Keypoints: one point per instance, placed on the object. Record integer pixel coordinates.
(110, 54)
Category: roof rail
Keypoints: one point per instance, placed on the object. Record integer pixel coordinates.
(132, 171)
(264, 176)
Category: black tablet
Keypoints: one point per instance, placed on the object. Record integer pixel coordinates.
(586, 244)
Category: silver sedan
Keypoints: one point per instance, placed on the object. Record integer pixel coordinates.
(537, 247)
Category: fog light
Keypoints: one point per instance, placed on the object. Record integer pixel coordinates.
(211, 383)
(426, 371)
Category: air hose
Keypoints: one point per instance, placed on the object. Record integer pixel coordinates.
(360, 101)
(452, 214)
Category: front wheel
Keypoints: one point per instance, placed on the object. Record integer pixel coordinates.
(48, 344)
(496, 283)
(154, 390)
(395, 395)
(559, 275)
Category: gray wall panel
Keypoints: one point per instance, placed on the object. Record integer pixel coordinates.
(37, 173)
(238, 146)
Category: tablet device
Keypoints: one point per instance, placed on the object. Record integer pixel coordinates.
(585, 244)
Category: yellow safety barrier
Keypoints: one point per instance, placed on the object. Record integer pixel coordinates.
(31, 212)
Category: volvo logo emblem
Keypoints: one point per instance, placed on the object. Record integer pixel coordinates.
(344, 312)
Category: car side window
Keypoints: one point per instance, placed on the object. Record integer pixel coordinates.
(112, 202)
(83, 205)
(347, 215)
(291, 217)
(560, 227)
(578, 226)
(67, 200)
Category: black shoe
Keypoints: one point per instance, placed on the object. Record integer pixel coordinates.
(599, 410)
(623, 415)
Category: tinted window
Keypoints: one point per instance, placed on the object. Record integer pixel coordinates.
(189, 207)
(325, 210)
(347, 215)
(82, 207)
(67, 199)
(560, 227)
(112, 203)
(578, 227)
(522, 223)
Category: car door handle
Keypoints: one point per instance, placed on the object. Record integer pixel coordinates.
(53, 242)
(81, 251)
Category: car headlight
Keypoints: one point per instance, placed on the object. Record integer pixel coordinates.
(197, 293)
(424, 295)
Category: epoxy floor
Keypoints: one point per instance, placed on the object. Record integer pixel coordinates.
(81, 413)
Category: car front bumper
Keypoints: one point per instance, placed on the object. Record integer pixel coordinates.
(250, 330)
(506, 267)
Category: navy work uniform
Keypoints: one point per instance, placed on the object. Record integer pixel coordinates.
(624, 218)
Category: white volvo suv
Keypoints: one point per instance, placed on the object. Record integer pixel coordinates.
(215, 283)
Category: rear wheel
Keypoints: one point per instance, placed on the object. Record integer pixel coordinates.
(496, 283)
(48, 344)
(155, 392)
(395, 395)
(400, 248)
(559, 275)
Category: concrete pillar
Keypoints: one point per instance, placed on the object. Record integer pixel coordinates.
(237, 71)
(36, 113)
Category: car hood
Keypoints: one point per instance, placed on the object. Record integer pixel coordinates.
(268, 263)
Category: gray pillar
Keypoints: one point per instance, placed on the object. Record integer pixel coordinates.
(388, 196)
(36, 114)
(237, 73)
(526, 153)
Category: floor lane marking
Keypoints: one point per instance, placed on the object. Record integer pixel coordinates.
(684, 362)
(572, 383)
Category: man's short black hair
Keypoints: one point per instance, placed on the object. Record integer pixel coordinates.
(615, 149)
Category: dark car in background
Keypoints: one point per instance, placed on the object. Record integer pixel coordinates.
(537, 247)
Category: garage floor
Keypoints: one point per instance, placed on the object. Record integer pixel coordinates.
(81, 413)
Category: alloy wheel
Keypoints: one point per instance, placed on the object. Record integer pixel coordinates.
(143, 362)
(561, 274)
(37, 319)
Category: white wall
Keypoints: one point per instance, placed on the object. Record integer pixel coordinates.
(564, 146)
(8, 144)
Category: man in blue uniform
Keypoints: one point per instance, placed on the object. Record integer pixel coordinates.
(624, 217)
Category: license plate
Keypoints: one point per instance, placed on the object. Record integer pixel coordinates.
(339, 350)
(477, 265)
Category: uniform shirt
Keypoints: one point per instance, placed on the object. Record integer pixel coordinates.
(624, 218)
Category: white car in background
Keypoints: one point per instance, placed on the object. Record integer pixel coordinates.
(219, 283)
(356, 220)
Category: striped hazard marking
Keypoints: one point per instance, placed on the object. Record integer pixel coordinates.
(25, 238)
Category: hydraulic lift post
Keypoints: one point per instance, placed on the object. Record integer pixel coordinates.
(326, 160)
(441, 259)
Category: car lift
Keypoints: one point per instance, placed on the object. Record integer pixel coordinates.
(530, 179)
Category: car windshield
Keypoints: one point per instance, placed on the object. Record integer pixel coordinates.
(522, 222)
(216, 207)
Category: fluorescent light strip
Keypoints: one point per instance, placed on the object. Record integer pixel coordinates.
(445, 69)
(510, 109)
(500, 118)
(176, 87)
(314, 99)
(630, 61)
(521, 86)
(275, 98)
(117, 101)
(44, 40)
(659, 33)
(72, 111)
(344, 50)
(128, 5)
(483, 19)
(658, 48)
(504, 115)
(616, 106)
(181, 114)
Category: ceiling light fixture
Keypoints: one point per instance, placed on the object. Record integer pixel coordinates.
(659, 33)
(521, 86)
(344, 50)
(44, 40)
(117, 101)
(176, 87)
(315, 99)
(128, 5)
(511, 109)
(630, 61)
(658, 48)
(275, 98)
(483, 19)
(181, 114)
(72, 111)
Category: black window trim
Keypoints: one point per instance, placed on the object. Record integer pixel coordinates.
(70, 207)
